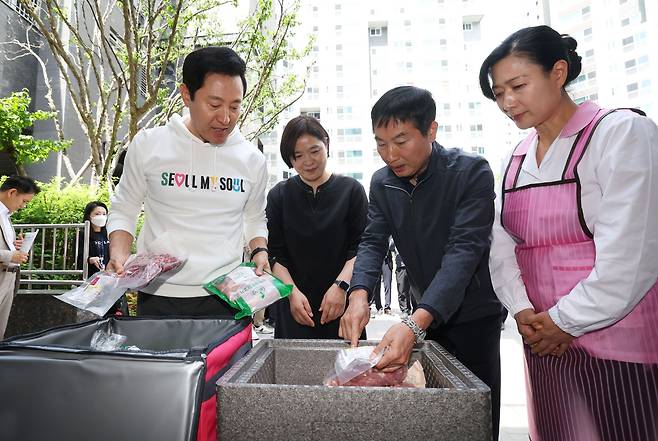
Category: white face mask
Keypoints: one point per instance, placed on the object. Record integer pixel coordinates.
(99, 220)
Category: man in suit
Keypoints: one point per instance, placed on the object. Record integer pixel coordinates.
(15, 193)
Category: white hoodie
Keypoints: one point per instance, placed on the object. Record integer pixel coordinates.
(206, 197)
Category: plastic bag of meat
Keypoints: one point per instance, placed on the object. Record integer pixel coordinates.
(374, 378)
(351, 363)
(247, 292)
(97, 294)
(142, 268)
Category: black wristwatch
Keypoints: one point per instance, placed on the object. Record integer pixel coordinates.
(342, 285)
(258, 250)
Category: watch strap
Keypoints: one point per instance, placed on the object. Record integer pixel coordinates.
(342, 285)
(419, 333)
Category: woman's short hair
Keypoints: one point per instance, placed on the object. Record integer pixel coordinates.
(542, 45)
(296, 128)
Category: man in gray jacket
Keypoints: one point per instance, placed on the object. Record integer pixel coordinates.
(438, 205)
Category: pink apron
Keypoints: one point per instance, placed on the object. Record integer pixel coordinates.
(605, 387)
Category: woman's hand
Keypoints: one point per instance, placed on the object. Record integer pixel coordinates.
(96, 261)
(300, 309)
(333, 304)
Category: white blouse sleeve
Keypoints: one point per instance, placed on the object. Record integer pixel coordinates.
(625, 230)
(505, 272)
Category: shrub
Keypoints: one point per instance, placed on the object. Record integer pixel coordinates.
(55, 205)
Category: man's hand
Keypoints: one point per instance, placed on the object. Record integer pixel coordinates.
(120, 242)
(300, 309)
(116, 263)
(397, 344)
(355, 319)
(18, 242)
(262, 263)
(18, 257)
(333, 304)
(552, 339)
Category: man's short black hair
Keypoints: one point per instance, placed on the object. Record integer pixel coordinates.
(22, 184)
(213, 59)
(402, 104)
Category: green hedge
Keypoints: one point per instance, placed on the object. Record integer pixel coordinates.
(55, 205)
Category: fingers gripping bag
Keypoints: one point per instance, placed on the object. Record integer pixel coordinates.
(160, 256)
(247, 292)
(352, 362)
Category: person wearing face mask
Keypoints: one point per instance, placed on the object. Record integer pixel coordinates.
(315, 220)
(99, 248)
(15, 193)
(99, 245)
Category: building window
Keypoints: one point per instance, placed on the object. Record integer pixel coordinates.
(587, 32)
(442, 21)
(589, 53)
(631, 87)
(315, 113)
(626, 41)
(446, 106)
(443, 42)
(375, 32)
(357, 175)
(629, 64)
(626, 22)
(476, 127)
(477, 150)
(585, 11)
(467, 26)
(407, 22)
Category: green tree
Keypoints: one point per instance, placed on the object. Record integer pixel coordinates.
(15, 119)
(120, 59)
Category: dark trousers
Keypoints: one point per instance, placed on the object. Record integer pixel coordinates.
(404, 293)
(149, 305)
(376, 297)
(476, 344)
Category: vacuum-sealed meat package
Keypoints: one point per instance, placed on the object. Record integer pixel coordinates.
(356, 367)
(141, 269)
(247, 292)
(97, 294)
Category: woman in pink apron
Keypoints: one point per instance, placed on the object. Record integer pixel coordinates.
(575, 246)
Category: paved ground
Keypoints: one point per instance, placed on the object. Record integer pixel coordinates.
(513, 416)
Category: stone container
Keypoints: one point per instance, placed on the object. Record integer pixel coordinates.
(276, 392)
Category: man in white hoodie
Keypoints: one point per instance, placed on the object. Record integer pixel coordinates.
(202, 185)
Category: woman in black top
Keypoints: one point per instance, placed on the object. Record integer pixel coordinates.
(99, 245)
(315, 221)
(99, 248)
